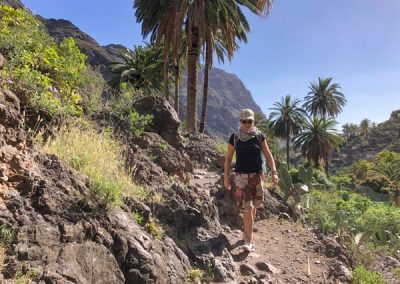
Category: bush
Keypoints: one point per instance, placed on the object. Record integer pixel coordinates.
(377, 182)
(294, 173)
(340, 212)
(343, 182)
(79, 146)
(364, 276)
(321, 178)
(138, 122)
(46, 75)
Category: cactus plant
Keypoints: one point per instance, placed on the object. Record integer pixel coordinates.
(297, 189)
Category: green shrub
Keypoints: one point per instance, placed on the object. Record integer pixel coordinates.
(155, 229)
(342, 212)
(196, 274)
(343, 182)
(363, 276)
(139, 219)
(79, 146)
(321, 178)
(294, 173)
(45, 74)
(396, 272)
(138, 122)
(92, 90)
(377, 182)
(7, 234)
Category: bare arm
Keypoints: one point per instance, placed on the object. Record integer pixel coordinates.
(227, 165)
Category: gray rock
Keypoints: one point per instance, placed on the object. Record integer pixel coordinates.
(267, 267)
(247, 269)
(225, 269)
(165, 120)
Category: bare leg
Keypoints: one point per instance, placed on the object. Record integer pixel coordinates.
(254, 214)
(248, 224)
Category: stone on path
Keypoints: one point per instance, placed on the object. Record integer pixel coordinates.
(267, 267)
(247, 269)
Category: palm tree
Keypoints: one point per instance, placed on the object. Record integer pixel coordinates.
(164, 20)
(346, 130)
(225, 26)
(142, 68)
(318, 140)
(365, 126)
(324, 98)
(287, 119)
(353, 130)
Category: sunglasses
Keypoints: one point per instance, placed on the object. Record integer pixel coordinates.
(245, 121)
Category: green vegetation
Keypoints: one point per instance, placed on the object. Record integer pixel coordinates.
(138, 122)
(79, 147)
(364, 276)
(139, 219)
(287, 118)
(142, 68)
(25, 278)
(155, 229)
(46, 74)
(195, 274)
(7, 234)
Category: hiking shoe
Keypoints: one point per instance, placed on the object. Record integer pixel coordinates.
(248, 246)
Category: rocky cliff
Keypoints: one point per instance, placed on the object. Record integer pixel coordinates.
(384, 136)
(12, 3)
(227, 96)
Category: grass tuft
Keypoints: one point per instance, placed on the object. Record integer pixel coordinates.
(99, 157)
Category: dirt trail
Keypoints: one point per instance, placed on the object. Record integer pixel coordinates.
(288, 248)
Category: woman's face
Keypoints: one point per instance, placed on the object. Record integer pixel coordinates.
(247, 124)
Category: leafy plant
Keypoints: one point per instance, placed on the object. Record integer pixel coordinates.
(139, 122)
(363, 276)
(7, 234)
(45, 74)
(196, 274)
(139, 219)
(294, 190)
(155, 229)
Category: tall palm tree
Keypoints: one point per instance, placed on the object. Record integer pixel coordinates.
(365, 126)
(324, 98)
(318, 140)
(164, 20)
(225, 27)
(287, 119)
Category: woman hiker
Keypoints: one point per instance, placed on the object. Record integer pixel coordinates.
(249, 144)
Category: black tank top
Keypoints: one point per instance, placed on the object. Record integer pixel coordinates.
(248, 158)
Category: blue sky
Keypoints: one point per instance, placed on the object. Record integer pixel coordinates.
(354, 41)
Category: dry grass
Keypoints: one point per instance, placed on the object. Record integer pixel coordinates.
(98, 156)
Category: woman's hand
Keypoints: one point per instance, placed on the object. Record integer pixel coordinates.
(227, 183)
(275, 179)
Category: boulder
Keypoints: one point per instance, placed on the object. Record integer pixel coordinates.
(165, 120)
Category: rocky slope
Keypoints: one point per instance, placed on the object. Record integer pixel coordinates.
(60, 239)
(385, 135)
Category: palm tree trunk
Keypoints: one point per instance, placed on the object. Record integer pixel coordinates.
(287, 149)
(326, 165)
(205, 90)
(176, 75)
(166, 77)
(193, 58)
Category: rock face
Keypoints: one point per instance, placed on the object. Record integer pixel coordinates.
(385, 135)
(227, 96)
(57, 235)
(165, 120)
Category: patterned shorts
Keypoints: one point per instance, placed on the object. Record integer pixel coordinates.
(249, 191)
